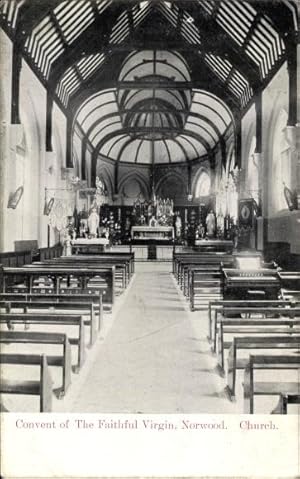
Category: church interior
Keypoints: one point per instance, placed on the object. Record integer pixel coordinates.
(150, 206)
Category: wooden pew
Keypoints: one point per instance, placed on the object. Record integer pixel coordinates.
(290, 295)
(251, 326)
(58, 274)
(199, 259)
(95, 299)
(67, 307)
(215, 246)
(122, 275)
(63, 360)
(122, 265)
(274, 343)
(227, 303)
(273, 311)
(284, 401)
(189, 269)
(253, 388)
(198, 275)
(52, 319)
(204, 285)
(106, 256)
(42, 388)
(289, 280)
(204, 258)
(83, 277)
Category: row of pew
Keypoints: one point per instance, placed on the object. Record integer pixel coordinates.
(51, 315)
(258, 338)
(263, 341)
(199, 277)
(204, 277)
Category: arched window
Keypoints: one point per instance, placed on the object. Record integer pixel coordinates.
(132, 190)
(76, 163)
(281, 164)
(203, 187)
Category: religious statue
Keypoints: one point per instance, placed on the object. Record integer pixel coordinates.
(201, 231)
(100, 197)
(150, 210)
(93, 223)
(83, 227)
(67, 244)
(234, 235)
(152, 222)
(178, 227)
(210, 224)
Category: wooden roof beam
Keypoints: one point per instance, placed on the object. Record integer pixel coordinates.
(217, 41)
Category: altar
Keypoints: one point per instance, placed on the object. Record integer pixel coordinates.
(85, 245)
(152, 234)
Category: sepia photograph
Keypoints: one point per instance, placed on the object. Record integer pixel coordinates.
(150, 221)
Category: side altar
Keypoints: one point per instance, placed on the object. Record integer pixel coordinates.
(92, 245)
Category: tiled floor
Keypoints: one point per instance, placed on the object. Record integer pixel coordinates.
(155, 358)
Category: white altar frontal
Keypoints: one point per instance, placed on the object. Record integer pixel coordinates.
(158, 234)
(85, 245)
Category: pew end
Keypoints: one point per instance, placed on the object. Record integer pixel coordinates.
(41, 388)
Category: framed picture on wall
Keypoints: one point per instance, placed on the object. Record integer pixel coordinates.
(246, 213)
(48, 207)
(15, 197)
(289, 198)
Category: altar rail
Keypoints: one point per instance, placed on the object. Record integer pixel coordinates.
(20, 258)
(15, 259)
(51, 252)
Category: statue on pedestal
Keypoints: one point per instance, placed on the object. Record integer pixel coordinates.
(153, 222)
(93, 223)
(210, 224)
(178, 227)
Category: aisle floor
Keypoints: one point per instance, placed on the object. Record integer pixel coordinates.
(155, 357)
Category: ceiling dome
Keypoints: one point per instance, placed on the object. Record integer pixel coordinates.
(150, 110)
(152, 115)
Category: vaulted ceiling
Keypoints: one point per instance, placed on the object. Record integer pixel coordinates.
(152, 80)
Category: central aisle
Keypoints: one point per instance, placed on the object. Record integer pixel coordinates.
(155, 358)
